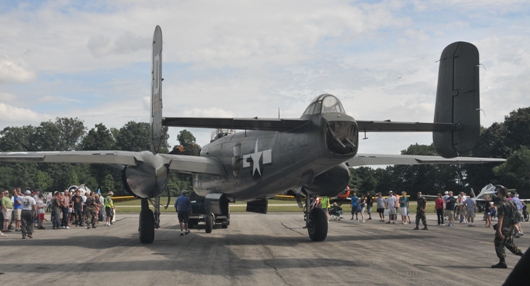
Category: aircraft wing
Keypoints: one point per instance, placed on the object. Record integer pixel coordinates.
(125, 158)
(380, 159)
(178, 163)
(267, 124)
(194, 164)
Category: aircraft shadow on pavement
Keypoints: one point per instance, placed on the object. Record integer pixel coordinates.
(485, 266)
(235, 266)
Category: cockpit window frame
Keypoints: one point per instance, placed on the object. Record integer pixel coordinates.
(335, 105)
(316, 106)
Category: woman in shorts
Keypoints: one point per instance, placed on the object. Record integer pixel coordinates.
(362, 206)
(490, 213)
(40, 211)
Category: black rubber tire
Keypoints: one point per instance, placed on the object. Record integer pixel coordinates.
(224, 224)
(317, 227)
(147, 227)
(209, 223)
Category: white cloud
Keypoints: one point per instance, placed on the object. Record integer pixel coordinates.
(245, 59)
(101, 46)
(7, 97)
(14, 71)
(12, 116)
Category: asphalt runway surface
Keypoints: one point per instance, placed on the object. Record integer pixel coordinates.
(256, 249)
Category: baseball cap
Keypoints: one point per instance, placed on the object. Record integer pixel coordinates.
(446, 192)
(27, 192)
(111, 193)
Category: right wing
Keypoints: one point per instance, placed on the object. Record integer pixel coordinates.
(381, 159)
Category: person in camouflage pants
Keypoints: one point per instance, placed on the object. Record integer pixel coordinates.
(505, 228)
(420, 212)
(91, 211)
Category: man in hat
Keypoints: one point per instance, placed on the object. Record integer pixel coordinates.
(91, 205)
(183, 206)
(109, 207)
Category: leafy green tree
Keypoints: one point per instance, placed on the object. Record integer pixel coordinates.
(514, 172)
(71, 131)
(189, 146)
(517, 128)
(16, 138)
(43, 181)
(491, 144)
(98, 138)
(108, 183)
(134, 136)
(62, 135)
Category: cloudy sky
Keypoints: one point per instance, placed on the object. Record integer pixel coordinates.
(62, 58)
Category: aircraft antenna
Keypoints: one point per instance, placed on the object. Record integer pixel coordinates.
(278, 113)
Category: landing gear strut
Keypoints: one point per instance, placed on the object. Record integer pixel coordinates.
(316, 222)
(147, 223)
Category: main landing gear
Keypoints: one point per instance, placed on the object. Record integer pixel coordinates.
(316, 222)
(147, 223)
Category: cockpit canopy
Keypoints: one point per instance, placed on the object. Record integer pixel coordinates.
(220, 133)
(325, 103)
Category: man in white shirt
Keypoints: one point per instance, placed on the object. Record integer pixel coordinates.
(391, 206)
(463, 208)
(29, 207)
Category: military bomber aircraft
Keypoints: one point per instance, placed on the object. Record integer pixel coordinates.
(310, 154)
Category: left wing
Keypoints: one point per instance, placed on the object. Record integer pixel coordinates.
(268, 124)
(380, 159)
(178, 163)
(124, 158)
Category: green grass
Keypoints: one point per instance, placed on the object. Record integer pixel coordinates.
(240, 206)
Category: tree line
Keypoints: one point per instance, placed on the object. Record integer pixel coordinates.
(509, 139)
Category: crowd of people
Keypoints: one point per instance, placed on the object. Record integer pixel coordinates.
(22, 211)
(509, 211)
(448, 208)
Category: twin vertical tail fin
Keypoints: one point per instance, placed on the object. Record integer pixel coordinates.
(457, 99)
(156, 92)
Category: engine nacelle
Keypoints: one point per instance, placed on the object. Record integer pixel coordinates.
(331, 182)
(148, 179)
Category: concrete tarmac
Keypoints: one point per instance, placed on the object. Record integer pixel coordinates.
(256, 249)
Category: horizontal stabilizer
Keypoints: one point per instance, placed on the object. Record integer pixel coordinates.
(389, 126)
(267, 124)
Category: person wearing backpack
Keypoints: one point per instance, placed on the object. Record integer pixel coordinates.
(505, 228)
